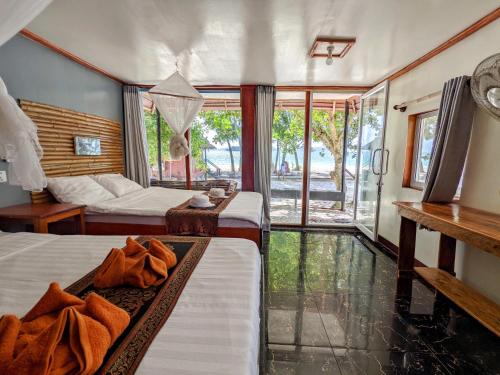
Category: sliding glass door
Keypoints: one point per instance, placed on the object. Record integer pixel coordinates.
(332, 160)
(313, 158)
(372, 159)
(288, 158)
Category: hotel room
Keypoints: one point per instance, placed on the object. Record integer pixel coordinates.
(249, 187)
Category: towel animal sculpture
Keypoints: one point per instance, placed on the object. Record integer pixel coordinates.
(61, 334)
(134, 265)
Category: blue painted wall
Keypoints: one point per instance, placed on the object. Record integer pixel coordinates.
(34, 72)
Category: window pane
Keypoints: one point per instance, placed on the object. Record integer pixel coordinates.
(426, 133)
(287, 158)
(150, 117)
(215, 138)
(173, 171)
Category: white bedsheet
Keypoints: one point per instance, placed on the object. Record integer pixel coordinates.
(156, 201)
(213, 329)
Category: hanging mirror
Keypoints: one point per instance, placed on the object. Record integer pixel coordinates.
(485, 85)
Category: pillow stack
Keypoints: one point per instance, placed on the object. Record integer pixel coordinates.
(77, 190)
(116, 184)
(90, 189)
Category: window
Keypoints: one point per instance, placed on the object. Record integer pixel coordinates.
(422, 129)
(163, 170)
(425, 132)
(214, 137)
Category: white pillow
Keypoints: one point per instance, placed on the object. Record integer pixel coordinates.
(116, 183)
(77, 190)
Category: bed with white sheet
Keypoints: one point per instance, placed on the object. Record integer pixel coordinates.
(143, 212)
(150, 205)
(213, 329)
(116, 206)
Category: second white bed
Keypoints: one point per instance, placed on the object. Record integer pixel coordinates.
(149, 206)
(213, 329)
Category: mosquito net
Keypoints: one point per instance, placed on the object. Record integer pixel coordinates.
(178, 103)
(19, 145)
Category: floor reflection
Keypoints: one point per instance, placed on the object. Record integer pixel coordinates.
(331, 308)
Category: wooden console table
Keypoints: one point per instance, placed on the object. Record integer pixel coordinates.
(474, 227)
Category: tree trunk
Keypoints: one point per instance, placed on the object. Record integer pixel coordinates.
(297, 165)
(277, 157)
(232, 157)
(332, 139)
(241, 154)
(337, 175)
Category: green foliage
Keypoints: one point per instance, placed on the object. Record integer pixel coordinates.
(151, 136)
(225, 124)
(283, 260)
(288, 129)
(227, 128)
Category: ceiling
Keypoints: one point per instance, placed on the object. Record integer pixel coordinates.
(233, 42)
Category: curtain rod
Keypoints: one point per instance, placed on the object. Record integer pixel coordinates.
(402, 107)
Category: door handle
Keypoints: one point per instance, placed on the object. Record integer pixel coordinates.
(386, 162)
(373, 161)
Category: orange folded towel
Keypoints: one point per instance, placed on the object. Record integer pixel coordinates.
(135, 265)
(61, 334)
(162, 251)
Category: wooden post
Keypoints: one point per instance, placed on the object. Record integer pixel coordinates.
(40, 226)
(406, 256)
(81, 217)
(307, 145)
(247, 98)
(446, 259)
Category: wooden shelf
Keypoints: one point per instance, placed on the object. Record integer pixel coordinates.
(481, 308)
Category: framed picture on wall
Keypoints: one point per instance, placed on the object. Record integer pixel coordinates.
(87, 145)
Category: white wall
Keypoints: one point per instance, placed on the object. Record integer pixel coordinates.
(481, 184)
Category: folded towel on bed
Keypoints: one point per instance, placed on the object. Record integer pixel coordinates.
(134, 265)
(62, 334)
(163, 251)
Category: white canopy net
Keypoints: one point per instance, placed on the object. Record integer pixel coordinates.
(19, 145)
(178, 103)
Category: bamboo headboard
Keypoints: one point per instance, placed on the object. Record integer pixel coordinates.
(57, 128)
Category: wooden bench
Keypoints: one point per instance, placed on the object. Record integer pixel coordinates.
(475, 227)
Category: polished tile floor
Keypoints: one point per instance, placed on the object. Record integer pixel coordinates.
(331, 308)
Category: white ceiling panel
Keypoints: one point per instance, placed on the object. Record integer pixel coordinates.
(252, 41)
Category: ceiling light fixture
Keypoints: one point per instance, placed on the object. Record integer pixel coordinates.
(329, 59)
(330, 48)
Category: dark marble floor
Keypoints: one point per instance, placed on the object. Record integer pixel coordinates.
(331, 308)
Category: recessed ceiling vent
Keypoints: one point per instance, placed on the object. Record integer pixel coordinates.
(331, 48)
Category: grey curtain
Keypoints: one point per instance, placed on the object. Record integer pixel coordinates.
(265, 99)
(136, 149)
(454, 125)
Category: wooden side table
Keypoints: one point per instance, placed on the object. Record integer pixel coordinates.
(41, 214)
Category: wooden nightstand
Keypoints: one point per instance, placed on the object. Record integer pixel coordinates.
(42, 214)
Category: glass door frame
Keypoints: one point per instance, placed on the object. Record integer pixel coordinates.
(308, 108)
(373, 235)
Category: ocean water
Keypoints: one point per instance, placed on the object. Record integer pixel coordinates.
(322, 161)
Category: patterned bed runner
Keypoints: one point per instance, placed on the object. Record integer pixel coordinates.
(148, 308)
(186, 220)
